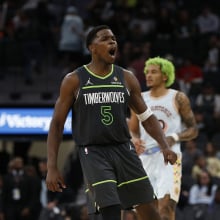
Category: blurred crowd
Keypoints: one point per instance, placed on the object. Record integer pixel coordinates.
(24, 195)
(38, 33)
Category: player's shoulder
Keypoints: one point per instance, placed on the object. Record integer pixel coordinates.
(181, 98)
(71, 75)
(179, 93)
(128, 74)
(125, 71)
(71, 79)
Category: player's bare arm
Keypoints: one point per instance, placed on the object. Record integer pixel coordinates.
(68, 89)
(133, 124)
(151, 124)
(187, 116)
(62, 107)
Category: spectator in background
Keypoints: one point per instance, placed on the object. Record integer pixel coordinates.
(185, 28)
(27, 30)
(199, 116)
(53, 204)
(19, 195)
(48, 199)
(124, 56)
(21, 149)
(71, 39)
(190, 152)
(201, 195)
(45, 18)
(209, 103)
(214, 211)
(31, 171)
(87, 27)
(213, 162)
(144, 22)
(190, 77)
(212, 61)
(184, 35)
(137, 64)
(199, 166)
(164, 24)
(207, 23)
(164, 31)
(203, 192)
(42, 167)
(136, 35)
(96, 10)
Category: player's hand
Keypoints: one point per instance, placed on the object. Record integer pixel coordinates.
(139, 145)
(169, 156)
(55, 181)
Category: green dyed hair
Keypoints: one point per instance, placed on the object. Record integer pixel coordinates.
(166, 67)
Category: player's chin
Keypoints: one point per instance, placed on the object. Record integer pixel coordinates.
(149, 85)
(111, 59)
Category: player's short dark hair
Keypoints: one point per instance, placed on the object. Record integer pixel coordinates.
(92, 34)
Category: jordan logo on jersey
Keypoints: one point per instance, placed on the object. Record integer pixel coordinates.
(89, 82)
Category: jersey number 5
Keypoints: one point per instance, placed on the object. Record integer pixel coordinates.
(107, 117)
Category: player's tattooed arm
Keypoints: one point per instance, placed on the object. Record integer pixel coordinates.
(187, 116)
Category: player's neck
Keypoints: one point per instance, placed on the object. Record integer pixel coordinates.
(158, 91)
(99, 69)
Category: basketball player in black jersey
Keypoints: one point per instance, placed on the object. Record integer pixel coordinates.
(99, 95)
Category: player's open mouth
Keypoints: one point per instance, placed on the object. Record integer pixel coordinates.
(112, 52)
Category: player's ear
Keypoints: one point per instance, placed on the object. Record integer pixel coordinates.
(165, 78)
(91, 48)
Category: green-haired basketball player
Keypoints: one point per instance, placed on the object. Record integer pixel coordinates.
(172, 109)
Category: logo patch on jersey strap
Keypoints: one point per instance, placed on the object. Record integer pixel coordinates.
(89, 82)
(176, 190)
(115, 81)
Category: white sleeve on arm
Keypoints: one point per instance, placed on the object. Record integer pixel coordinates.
(145, 115)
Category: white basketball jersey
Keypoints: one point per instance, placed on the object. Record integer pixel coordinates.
(165, 110)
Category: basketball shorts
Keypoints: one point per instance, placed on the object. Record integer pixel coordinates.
(113, 175)
(165, 179)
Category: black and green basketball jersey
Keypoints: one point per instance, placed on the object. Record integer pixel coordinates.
(100, 110)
